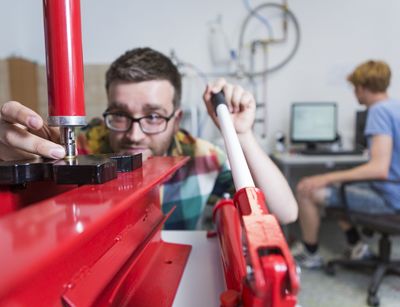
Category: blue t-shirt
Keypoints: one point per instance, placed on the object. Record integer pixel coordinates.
(384, 119)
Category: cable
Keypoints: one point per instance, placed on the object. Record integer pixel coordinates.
(259, 17)
(195, 111)
(291, 17)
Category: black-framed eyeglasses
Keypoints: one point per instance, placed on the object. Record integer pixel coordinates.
(149, 124)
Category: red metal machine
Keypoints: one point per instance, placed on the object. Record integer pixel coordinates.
(88, 245)
(259, 269)
(93, 245)
(100, 244)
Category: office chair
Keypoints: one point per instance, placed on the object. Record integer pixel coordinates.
(384, 224)
(360, 140)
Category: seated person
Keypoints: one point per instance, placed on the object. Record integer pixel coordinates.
(370, 80)
(143, 115)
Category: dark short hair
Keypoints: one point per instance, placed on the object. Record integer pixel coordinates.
(372, 75)
(145, 64)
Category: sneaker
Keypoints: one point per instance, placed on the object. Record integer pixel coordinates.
(360, 251)
(304, 258)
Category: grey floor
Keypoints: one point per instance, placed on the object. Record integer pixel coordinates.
(348, 288)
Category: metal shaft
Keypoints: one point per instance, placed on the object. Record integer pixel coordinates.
(68, 141)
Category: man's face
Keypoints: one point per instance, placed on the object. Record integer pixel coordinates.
(360, 94)
(142, 99)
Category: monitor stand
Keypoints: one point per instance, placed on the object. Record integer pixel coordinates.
(311, 147)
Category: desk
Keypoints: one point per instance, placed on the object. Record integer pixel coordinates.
(203, 278)
(295, 166)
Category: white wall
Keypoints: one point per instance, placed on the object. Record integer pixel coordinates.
(336, 36)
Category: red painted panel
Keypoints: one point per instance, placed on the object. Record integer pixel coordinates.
(48, 247)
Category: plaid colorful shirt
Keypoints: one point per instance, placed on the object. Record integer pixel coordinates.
(193, 189)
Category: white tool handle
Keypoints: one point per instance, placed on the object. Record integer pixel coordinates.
(240, 170)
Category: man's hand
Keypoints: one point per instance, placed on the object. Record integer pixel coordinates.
(240, 103)
(309, 184)
(23, 134)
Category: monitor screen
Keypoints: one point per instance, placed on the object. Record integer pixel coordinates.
(313, 122)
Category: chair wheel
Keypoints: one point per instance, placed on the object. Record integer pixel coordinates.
(373, 300)
(330, 269)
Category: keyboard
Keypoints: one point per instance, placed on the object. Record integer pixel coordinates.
(317, 152)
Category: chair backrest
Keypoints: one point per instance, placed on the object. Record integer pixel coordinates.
(360, 141)
(384, 223)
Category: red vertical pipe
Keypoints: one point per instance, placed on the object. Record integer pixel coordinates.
(62, 23)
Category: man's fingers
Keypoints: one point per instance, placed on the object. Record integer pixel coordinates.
(49, 133)
(11, 154)
(222, 85)
(16, 113)
(237, 95)
(248, 100)
(21, 139)
(228, 92)
(218, 85)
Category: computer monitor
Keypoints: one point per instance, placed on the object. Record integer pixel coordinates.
(313, 122)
